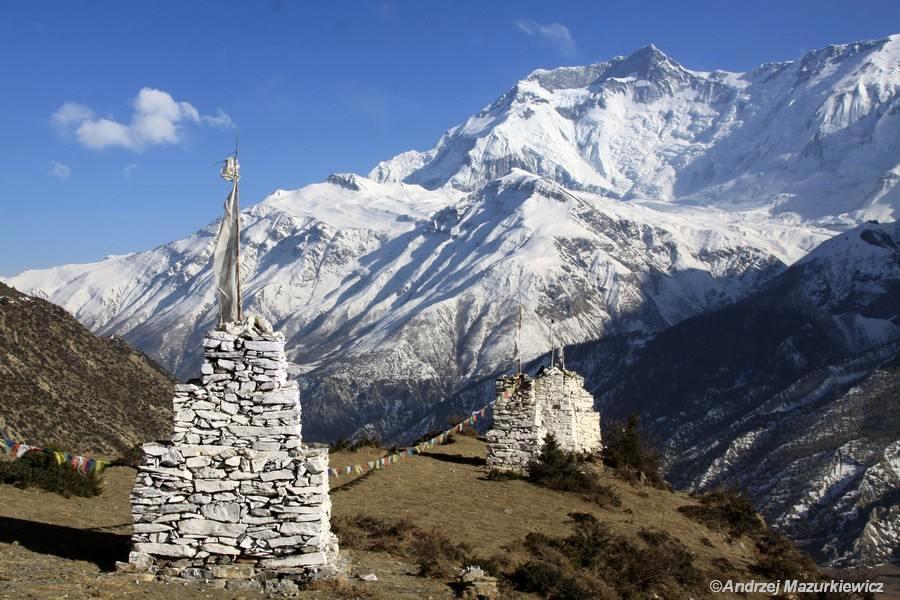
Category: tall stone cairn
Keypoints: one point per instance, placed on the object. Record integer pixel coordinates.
(527, 410)
(235, 496)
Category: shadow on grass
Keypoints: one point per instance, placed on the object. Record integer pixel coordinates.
(349, 485)
(476, 461)
(99, 547)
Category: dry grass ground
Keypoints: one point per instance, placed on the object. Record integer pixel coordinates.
(53, 547)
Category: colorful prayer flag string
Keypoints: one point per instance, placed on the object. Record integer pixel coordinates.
(391, 459)
(85, 466)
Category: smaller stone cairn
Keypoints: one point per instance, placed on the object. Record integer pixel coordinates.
(554, 402)
(235, 497)
(475, 584)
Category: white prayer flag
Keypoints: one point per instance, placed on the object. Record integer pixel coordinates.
(226, 265)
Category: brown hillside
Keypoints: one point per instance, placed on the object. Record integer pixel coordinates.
(52, 547)
(62, 386)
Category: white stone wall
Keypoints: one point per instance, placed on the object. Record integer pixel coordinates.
(555, 402)
(236, 481)
(514, 436)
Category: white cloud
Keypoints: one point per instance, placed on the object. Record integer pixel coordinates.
(555, 34)
(128, 169)
(69, 114)
(157, 119)
(104, 132)
(220, 119)
(59, 170)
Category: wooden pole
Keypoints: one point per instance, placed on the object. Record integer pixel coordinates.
(519, 342)
(237, 230)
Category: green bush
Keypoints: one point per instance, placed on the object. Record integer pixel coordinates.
(558, 469)
(466, 430)
(780, 559)
(339, 445)
(343, 444)
(39, 469)
(626, 450)
(365, 441)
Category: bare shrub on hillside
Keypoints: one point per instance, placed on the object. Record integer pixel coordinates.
(726, 510)
(436, 554)
(593, 562)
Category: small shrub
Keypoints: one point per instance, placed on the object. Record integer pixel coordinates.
(366, 441)
(626, 450)
(780, 559)
(558, 469)
(342, 588)
(467, 430)
(433, 434)
(133, 457)
(339, 445)
(593, 562)
(39, 469)
(726, 510)
(436, 554)
(496, 566)
(654, 537)
(366, 532)
(343, 444)
(503, 475)
(556, 582)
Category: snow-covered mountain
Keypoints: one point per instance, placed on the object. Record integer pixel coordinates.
(618, 197)
(375, 282)
(647, 209)
(819, 136)
(790, 394)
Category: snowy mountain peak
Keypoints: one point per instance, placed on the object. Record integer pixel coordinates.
(350, 181)
(872, 245)
(647, 63)
(818, 137)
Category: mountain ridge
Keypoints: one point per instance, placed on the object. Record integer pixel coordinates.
(66, 388)
(598, 147)
(777, 395)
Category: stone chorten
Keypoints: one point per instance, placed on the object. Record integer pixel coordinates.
(235, 495)
(554, 402)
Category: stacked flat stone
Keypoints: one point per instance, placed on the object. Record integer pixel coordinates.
(554, 402)
(235, 496)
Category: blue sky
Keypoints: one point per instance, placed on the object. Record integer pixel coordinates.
(91, 165)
